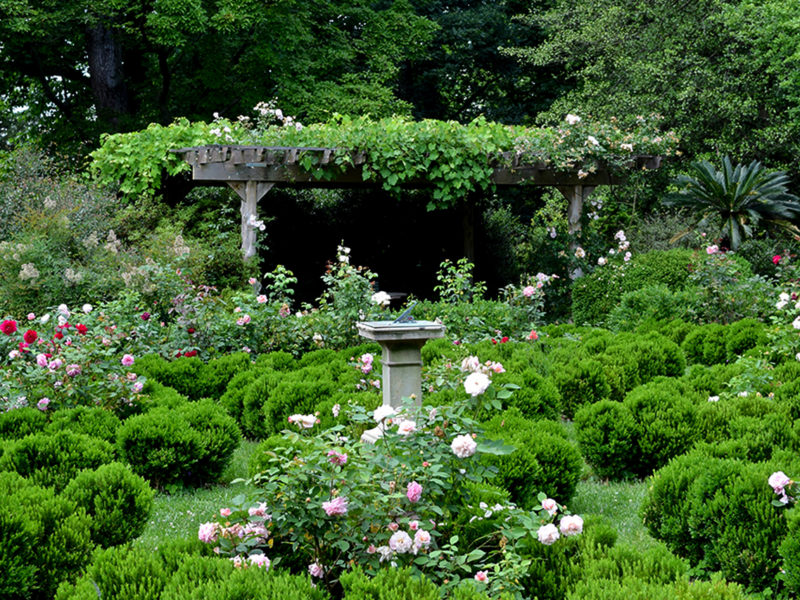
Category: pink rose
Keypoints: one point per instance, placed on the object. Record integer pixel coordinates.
(528, 291)
(335, 507)
(778, 481)
(225, 512)
(127, 360)
(400, 542)
(316, 570)
(422, 539)
(712, 249)
(776, 259)
(550, 506)
(405, 427)
(393, 526)
(482, 576)
(259, 560)
(43, 404)
(208, 532)
(414, 492)
(337, 458)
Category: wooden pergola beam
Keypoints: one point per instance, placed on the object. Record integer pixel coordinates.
(253, 170)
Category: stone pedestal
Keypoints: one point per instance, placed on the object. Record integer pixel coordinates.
(401, 358)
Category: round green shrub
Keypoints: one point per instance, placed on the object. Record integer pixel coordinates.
(160, 446)
(542, 461)
(665, 413)
(161, 396)
(274, 446)
(653, 302)
(255, 397)
(119, 573)
(435, 350)
(44, 539)
(607, 436)
(675, 330)
(184, 374)
(655, 564)
(91, 420)
(299, 392)
(52, 460)
(399, 584)
(217, 373)
(705, 345)
(743, 335)
(233, 398)
(633, 588)
(581, 382)
(537, 398)
(118, 502)
(790, 551)
(218, 434)
(19, 422)
(277, 361)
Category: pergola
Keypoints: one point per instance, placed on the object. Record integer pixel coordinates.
(252, 171)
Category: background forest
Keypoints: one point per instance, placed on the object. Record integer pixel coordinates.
(721, 74)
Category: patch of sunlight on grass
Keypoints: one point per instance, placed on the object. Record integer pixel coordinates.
(178, 515)
(619, 502)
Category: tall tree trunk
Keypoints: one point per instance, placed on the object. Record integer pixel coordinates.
(106, 74)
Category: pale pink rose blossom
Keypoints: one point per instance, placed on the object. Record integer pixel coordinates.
(383, 412)
(422, 539)
(43, 404)
(550, 505)
(547, 534)
(482, 576)
(259, 560)
(406, 427)
(225, 512)
(316, 570)
(208, 532)
(413, 525)
(571, 525)
(371, 549)
(237, 561)
(260, 510)
(414, 492)
(137, 387)
(73, 370)
(713, 249)
(463, 446)
(470, 364)
(261, 299)
(127, 360)
(244, 320)
(304, 421)
(496, 367)
(251, 281)
(778, 481)
(336, 507)
(400, 542)
(31, 316)
(393, 526)
(55, 364)
(528, 291)
(335, 410)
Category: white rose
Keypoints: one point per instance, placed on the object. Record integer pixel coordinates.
(87, 308)
(601, 261)
(382, 412)
(381, 298)
(548, 534)
(476, 383)
(400, 542)
(470, 364)
(571, 525)
(463, 446)
(572, 119)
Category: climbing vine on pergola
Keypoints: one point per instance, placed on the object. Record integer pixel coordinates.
(452, 159)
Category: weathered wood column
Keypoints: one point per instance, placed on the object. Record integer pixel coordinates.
(250, 192)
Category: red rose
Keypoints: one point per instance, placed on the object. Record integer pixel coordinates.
(494, 341)
(30, 336)
(58, 335)
(190, 330)
(82, 329)
(8, 326)
(145, 316)
(190, 353)
(776, 259)
(504, 340)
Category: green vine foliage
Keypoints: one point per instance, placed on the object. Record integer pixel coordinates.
(454, 159)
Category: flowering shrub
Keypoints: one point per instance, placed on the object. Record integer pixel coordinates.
(335, 501)
(57, 363)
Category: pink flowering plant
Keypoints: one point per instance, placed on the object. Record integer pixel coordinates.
(786, 488)
(334, 499)
(67, 358)
(527, 298)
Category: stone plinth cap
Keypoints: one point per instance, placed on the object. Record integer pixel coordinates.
(386, 331)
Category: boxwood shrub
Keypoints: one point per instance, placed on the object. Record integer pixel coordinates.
(118, 502)
(607, 436)
(52, 460)
(19, 422)
(581, 382)
(542, 462)
(44, 539)
(91, 420)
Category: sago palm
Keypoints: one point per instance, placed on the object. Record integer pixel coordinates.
(742, 198)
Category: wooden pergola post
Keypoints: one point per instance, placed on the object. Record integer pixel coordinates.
(251, 192)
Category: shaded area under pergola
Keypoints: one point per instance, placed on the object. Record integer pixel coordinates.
(252, 171)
